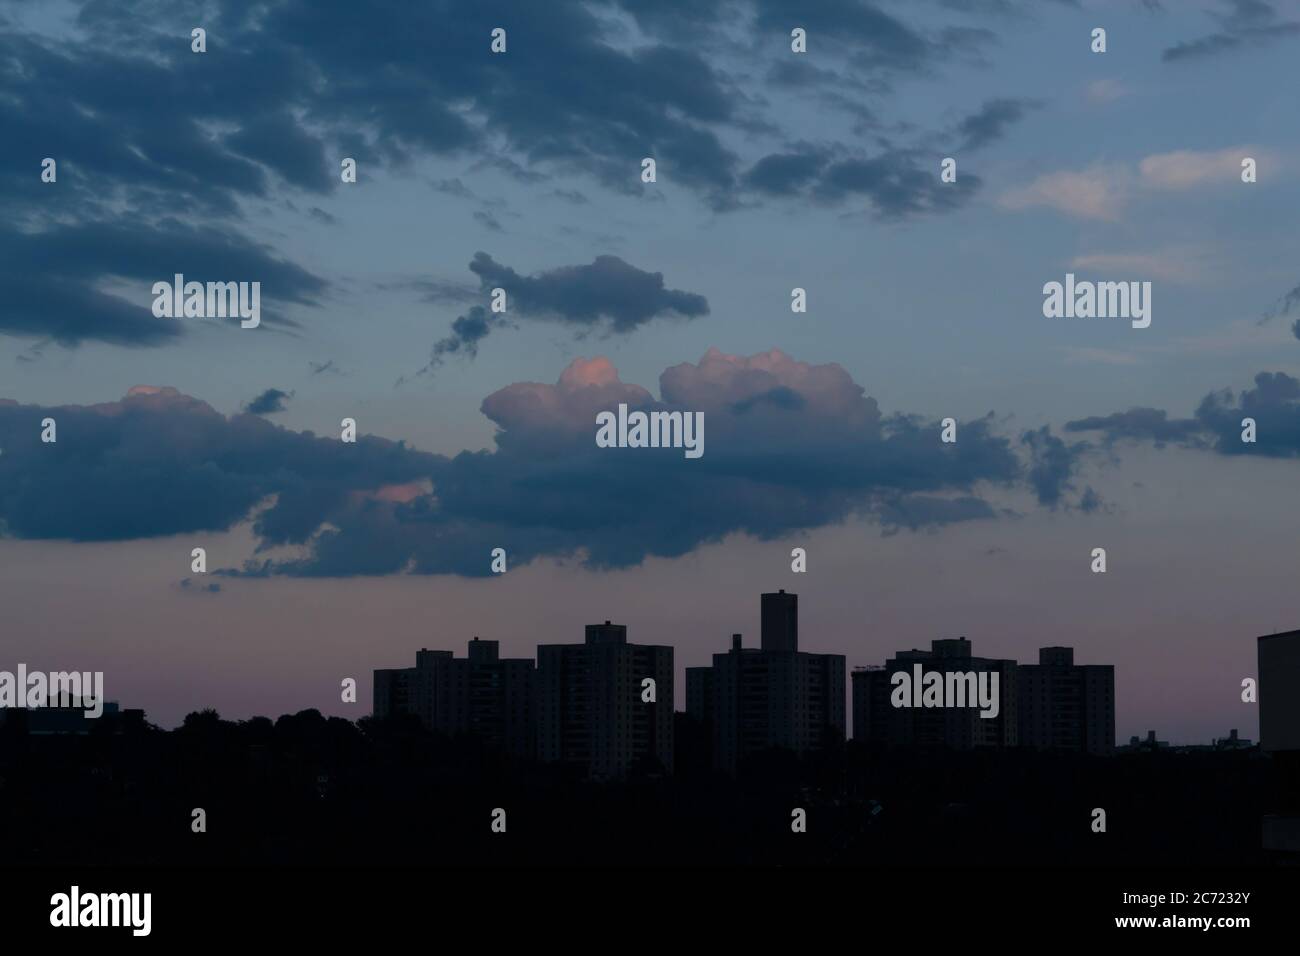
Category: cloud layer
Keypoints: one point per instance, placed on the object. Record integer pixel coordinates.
(789, 446)
(1274, 404)
(167, 159)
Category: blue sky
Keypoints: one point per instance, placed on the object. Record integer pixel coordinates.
(927, 296)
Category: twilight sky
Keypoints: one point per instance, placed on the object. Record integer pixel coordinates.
(522, 171)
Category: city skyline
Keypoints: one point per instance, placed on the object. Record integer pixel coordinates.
(786, 178)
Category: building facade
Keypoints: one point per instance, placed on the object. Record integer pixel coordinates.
(482, 693)
(1279, 691)
(1052, 705)
(591, 708)
(1067, 706)
(875, 718)
(773, 696)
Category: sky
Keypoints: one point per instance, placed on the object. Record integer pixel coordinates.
(522, 170)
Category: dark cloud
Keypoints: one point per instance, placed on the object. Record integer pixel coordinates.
(786, 174)
(788, 447)
(991, 121)
(288, 88)
(212, 587)
(1274, 404)
(466, 333)
(155, 143)
(608, 292)
(324, 368)
(1283, 305)
(875, 36)
(161, 463)
(609, 296)
(895, 184)
(488, 221)
(138, 164)
(1052, 467)
(1242, 23)
(1140, 424)
(269, 402)
(54, 278)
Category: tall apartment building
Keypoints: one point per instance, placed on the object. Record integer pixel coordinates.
(1052, 705)
(1067, 706)
(957, 728)
(773, 696)
(482, 694)
(1279, 691)
(591, 711)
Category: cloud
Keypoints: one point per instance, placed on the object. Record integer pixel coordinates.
(1097, 192)
(1185, 169)
(55, 279)
(1103, 190)
(325, 368)
(488, 221)
(1274, 404)
(875, 41)
(1283, 305)
(608, 292)
(1141, 424)
(991, 122)
(610, 296)
(789, 446)
(212, 587)
(1172, 265)
(1052, 467)
(159, 462)
(152, 142)
(1242, 23)
(895, 183)
(466, 333)
(269, 402)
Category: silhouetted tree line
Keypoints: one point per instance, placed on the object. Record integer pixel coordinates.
(307, 789)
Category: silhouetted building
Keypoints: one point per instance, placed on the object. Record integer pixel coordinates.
(72, 719)
(780, 621)
(1148, 743)
(1233, 742)
(591, 711)
(1279, 691)
(774, 696)
(870, 692)
(1067, 706)
(876, 719)
(699, 692)
(482, 694)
